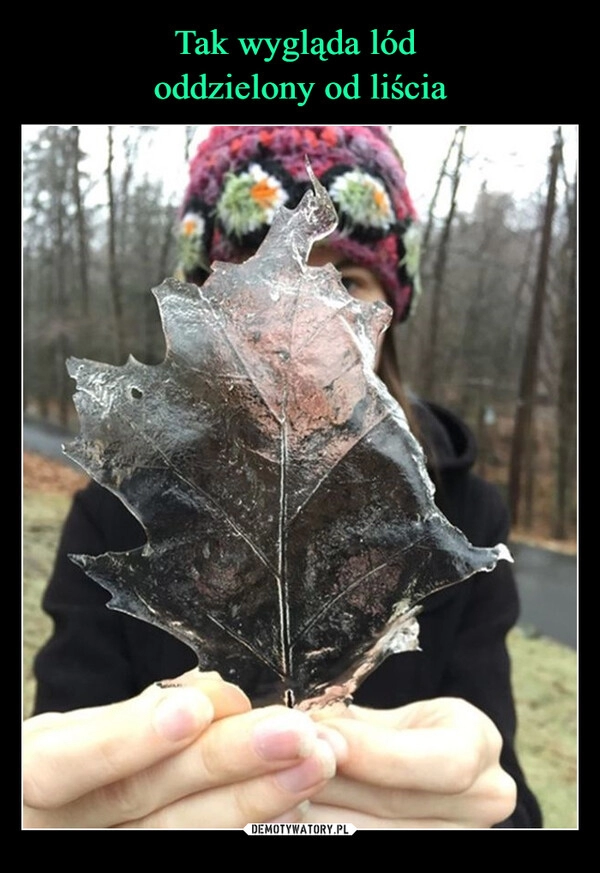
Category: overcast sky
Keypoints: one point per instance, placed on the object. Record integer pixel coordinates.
(511, 158)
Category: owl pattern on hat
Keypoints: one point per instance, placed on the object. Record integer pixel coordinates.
(240, 176)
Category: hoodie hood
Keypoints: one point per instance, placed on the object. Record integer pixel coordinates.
(448, 443)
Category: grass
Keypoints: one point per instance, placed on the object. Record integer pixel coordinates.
(544, 672)
(545, 686)
(43, 514)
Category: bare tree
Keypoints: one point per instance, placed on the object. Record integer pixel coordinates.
(567, 402)
(521, 447)
(49, 270)
(509, 349)
(190, 130)
(82, 235)
(60, 185)
(443, 174)
(67, 257)
(430, 361)
(114, 277)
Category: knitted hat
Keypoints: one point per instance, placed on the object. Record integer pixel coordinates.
(240, 176)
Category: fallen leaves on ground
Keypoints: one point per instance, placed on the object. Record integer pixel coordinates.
(44, 474)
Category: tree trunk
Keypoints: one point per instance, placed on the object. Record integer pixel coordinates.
(430, 364)
(190, 130)
(60, 171)
(130, 149)
(82, 241)
(113, 270)
(567, 398)
(438, 185)
(523, 430)
(509, 351)
(165, 251)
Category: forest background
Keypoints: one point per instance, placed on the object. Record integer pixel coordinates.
(494, 335)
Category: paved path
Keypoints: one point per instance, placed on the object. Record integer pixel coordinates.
(547, 580)
(47, 440)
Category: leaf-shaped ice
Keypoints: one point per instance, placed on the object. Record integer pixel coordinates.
(290, 521)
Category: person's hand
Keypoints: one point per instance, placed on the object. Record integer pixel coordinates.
(431, 764)
(174, 757)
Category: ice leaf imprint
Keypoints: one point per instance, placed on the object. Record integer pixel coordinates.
(291, 528)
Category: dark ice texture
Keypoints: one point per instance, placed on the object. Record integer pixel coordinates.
(291, 528)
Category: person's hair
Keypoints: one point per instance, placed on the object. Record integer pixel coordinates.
(389, 373)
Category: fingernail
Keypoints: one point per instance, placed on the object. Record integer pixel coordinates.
(293, 815)
(334, 739)
(316, 769)
(281, 737)
(182, 713)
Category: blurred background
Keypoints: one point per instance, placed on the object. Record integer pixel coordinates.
(493, 336)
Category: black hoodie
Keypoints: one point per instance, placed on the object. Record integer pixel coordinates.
(97, 656)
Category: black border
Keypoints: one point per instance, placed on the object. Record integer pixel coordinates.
(105, 71)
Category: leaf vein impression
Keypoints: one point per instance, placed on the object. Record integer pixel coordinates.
(330, 469)
(198, 490)
(237, 354)
(239, 639)
(319, 615)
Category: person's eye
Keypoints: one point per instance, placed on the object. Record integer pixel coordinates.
(350, 284)
(362, 285)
